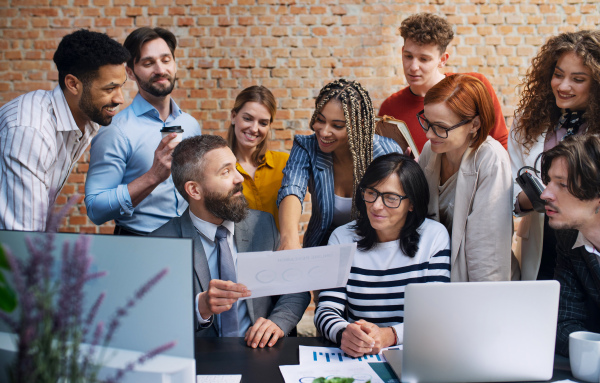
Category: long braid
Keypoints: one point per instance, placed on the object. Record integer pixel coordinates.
(360, 124)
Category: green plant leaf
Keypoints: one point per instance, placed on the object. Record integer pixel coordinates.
(8, 298)
(3, 261)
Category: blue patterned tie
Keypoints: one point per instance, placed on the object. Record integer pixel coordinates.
(229, 319)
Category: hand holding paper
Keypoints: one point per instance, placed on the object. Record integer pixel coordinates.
(270, 273)
(220, 296)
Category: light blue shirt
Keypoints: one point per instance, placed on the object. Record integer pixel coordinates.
(207, 232)
(121, 153)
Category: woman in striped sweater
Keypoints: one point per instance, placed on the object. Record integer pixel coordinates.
(397, 245)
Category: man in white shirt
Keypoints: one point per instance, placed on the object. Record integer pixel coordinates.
(44, 133)
(221, 225)
(571, 171)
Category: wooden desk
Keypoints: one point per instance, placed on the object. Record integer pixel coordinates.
(232, 356)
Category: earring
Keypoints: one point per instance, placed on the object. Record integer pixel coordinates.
(597, 209)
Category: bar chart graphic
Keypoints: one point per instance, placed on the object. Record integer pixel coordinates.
(334, 357)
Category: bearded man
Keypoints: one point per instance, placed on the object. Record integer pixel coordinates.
(129, 179)
(221, 226)
(44, 133)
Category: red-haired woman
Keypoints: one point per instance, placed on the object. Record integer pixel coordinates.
(469, 178)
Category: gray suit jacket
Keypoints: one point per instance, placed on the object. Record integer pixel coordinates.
(255, 233)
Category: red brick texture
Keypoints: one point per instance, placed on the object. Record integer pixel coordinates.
(293, 47)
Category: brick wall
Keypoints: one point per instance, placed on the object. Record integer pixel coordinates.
(292, 47)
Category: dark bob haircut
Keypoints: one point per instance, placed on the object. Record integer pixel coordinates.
(582, 154)
(416, 189)
(83, 52)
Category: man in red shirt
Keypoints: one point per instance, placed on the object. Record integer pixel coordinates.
(426, 37)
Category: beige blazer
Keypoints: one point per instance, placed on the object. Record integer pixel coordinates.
(530, 232)
(482, 223)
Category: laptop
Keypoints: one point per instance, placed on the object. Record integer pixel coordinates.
(478, 332)
(163, 315)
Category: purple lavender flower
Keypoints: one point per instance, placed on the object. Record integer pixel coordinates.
(52, 326)
(92, 313)
(141, 360)
(95, 341)
(122, 311)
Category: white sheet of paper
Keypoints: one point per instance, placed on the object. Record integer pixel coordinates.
(218, 378)
(270, 273)
(334, 355)
(361, 372)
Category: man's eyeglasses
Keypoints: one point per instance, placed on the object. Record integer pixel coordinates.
(438, 130)
(391, 200)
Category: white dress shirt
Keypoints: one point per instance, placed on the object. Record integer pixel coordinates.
(207, 232)
(40, 144)
(589, 247)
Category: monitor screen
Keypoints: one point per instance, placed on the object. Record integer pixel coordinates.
(163, 315)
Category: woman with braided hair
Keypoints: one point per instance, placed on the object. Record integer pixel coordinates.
(330, 162)
(561, 97)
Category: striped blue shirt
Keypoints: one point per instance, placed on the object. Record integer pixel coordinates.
(378, 277)
(309, 166)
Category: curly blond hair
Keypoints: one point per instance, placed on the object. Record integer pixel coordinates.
(537, 111)
(427, 28)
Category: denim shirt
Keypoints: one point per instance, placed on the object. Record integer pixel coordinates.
(121, 153)
(309, 166)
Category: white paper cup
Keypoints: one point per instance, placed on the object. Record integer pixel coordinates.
(172, 129)
(584, 355)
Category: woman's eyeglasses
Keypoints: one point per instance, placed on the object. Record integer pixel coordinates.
(391, 200)
(438, 130)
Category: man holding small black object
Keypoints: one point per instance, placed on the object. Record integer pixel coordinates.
(221, 225)
(129, 179)
(571, 171)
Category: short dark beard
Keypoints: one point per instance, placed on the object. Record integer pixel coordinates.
(228, 207)
(86, 104)
(150, 87)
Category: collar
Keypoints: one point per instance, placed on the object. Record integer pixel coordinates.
(269, 161)
(64, 117)
(582, 241)
(140, 106)
(209, 230)
(324, 160)
(434, 165)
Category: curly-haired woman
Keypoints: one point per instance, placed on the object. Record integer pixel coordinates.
(561, 97)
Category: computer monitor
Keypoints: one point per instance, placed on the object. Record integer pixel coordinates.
(163, 315)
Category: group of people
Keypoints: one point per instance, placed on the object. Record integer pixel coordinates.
(446, 218)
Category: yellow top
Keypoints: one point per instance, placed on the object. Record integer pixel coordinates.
(261, 192)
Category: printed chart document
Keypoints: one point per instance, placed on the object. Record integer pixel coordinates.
(329, 362)
(292, 271)
(334, 355)
(361, 372)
